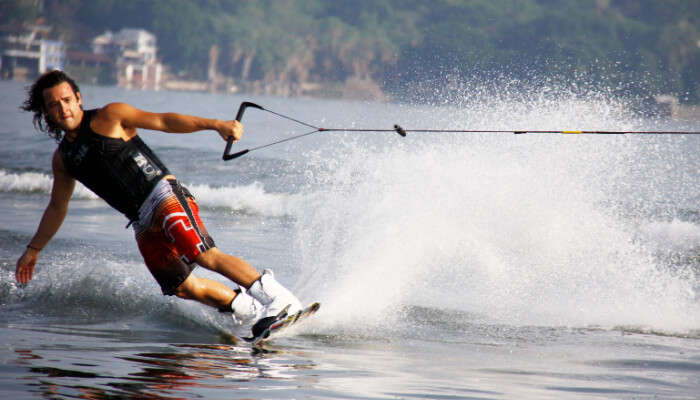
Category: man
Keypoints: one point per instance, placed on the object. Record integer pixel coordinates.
(101, 149)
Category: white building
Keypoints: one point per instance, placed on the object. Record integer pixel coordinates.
(26, 55)
(134, 52)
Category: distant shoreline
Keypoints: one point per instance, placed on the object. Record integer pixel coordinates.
(353, 89)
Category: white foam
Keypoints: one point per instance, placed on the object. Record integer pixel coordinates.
(252, 198)
(37, 182)
(25, 182)
(518, 229)
(675, 234)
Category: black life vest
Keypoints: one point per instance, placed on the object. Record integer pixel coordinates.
(123, 173)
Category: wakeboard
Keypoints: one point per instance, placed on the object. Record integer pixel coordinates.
(269, 327)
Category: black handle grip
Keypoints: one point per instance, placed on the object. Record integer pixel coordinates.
(239, 115)
(236, 155)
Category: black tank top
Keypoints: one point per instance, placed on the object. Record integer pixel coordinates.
(123, 173)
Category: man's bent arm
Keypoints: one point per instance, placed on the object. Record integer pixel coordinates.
(55, 213)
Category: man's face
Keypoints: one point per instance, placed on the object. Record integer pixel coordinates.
(63, 106)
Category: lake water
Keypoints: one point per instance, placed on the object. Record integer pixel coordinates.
(449, 266)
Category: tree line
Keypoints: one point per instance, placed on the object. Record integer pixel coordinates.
(640, 46)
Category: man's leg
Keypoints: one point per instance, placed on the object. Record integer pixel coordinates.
(263, 288)
(206, 291)
(233, 268)
(245, 309)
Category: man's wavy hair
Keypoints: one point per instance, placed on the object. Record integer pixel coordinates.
(35, 101)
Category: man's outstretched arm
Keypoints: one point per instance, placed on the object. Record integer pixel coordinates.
(63, 185)
(115, 117)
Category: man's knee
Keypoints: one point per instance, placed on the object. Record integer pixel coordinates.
(208, 259)
(186, 290)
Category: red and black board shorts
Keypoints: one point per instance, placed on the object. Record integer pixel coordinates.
(173, 236)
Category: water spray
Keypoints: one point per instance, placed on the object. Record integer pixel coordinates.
(403, 132)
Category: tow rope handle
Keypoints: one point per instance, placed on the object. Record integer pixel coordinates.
(239, 115)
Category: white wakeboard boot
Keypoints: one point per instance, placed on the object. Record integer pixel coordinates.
(274, 298)
(246, 310)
